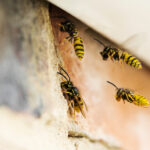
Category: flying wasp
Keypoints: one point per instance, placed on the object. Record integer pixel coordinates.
(119, 55)
(78, 46)
(129, 96)
(72, 95)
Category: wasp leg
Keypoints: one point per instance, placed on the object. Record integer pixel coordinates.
(70, 38)
(71, 108)
(112, 56)
(72, 105)
(83, 113)
(120, 60)
(59, 24)
(67, 92)
(121, 63)
(85, 105)
(123, 101)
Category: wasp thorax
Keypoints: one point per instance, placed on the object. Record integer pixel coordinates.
(116, 56)
(119, 91)
(75, 90)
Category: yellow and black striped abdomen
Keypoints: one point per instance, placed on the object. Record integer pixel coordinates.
(131, 60)
(140, 100)
(78, 47)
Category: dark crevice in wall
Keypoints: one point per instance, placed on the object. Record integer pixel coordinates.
(79, 135)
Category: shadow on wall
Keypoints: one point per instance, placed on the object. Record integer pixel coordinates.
(12, 82)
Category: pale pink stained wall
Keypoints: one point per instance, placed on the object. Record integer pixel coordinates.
(127, 123)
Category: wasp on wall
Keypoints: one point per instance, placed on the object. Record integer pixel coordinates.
(72, 95)
(70, 28)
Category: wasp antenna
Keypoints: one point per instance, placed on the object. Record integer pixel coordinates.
(65, 72)
(100, 42)
(62, 75)
(112, 84)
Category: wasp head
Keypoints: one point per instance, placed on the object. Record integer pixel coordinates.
(66, 26)
(104, 55)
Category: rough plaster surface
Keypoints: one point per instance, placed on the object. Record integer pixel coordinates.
(33, 110)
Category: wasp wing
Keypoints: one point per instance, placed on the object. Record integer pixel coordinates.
(79, 104)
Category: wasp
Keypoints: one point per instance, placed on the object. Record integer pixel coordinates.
(118, 55)
(72, 95)
(70, 28)
(78, 46)
(129, 96)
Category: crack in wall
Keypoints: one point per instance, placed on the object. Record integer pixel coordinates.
(79, 135)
